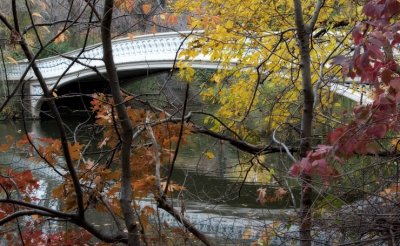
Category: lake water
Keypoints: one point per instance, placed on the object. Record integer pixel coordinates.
(217, 200)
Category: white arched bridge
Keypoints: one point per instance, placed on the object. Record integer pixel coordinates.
(141, 54)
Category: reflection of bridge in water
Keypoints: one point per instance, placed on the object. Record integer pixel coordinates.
(230, 229)
(229, 223)
(143, 54)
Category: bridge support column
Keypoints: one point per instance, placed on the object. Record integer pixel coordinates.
(34, 104)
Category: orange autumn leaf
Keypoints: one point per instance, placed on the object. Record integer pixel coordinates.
(144, 186)
(171, 187)
(153, 29)
(189, 20)
(59, 191)
(61, 38)
(173, 20)
(129, 5)
(155, 19)
(126, 5)
(215, 19)
(146, 8)
(9, 138)
(131, 36)
(35, 217)
(164, 18)
(75, 150)
(280, 193)
(98, 180)
(24, 140)
(128, 98)
(4, 147)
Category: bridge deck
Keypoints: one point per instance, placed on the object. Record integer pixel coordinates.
(143, 53)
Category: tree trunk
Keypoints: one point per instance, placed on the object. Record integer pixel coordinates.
(303, 33)
(126, 125)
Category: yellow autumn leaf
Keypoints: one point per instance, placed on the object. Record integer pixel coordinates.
(37, 14)
(255, 51)
(229, 24)
(210, 155)
(247, 234)
(46, 28)
(12, 60)
(35, 216)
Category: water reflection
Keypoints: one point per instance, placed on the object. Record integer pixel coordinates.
(216, 199)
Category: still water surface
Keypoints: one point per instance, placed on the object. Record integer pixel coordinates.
(216, 198)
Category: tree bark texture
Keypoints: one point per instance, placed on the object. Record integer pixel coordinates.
(303, 35)
(126, 125)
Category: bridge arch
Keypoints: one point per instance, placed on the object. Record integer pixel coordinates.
(75, 93)
(147, 53)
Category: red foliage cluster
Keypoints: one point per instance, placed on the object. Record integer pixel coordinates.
(33, 236)
(23, 181)
(376, 41)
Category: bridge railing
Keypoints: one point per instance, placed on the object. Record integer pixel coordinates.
(140, 51)
(150, 47)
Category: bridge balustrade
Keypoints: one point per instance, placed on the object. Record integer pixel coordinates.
(147, 52)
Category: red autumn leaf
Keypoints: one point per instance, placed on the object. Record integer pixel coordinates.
(334, 136)
(395, 84)
(373, 10)
(357, 35)
(386, 76)
(295, 169)
(392, 7)
(375, 51)
(396, 39)
(377, 130)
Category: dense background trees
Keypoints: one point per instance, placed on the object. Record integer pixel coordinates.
(270, 99)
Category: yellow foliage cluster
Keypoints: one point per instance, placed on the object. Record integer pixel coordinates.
(255, 45)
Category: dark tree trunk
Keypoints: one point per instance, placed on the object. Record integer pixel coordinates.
(126, 125)
(303, 34)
